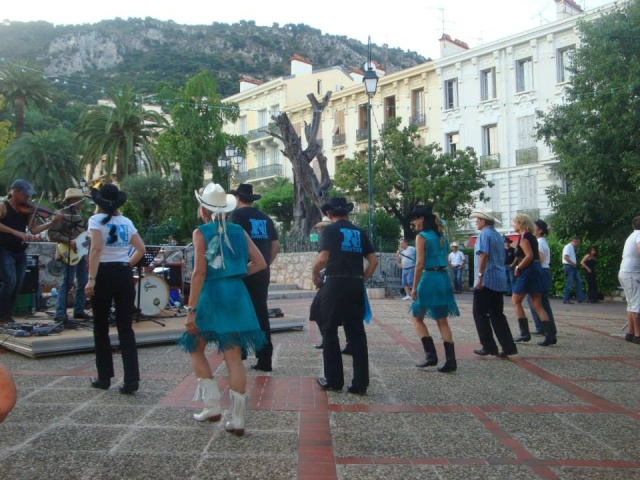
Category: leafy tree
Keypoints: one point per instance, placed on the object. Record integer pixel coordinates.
(48, 159)
(406, 174)
(277, 201)
(196, 139)
(23, 86)
(595, 134)
(121, 134)
(152, 196)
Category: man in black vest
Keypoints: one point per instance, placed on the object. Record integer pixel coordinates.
(343, 246)
(262, 231)
(16, 219)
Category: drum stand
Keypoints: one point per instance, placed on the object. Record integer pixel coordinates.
(145, 261)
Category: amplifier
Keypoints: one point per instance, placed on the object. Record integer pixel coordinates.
(32, 276)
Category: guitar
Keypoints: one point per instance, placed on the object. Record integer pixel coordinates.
(73, 256)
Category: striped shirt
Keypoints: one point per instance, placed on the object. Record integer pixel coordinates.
(491, 242)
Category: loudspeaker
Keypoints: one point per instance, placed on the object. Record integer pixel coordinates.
(174, 277)
(32, 275)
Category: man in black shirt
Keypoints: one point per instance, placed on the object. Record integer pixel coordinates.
(342, 249)
(509, 259)
(263, 232)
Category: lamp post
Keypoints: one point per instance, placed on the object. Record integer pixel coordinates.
(370, 81)
(83, 186)
(225, 161)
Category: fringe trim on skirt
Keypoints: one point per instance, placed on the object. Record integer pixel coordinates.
(250, 341)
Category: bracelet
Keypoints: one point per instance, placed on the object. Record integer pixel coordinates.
(92, 278)
(189, 309)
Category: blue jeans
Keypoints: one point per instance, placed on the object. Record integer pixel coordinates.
(546, 272)
(79, 273)
(511, 279)
(457, 279)
(13, 269)
(573, 276)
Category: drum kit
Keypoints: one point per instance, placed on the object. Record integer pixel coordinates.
(159, 289)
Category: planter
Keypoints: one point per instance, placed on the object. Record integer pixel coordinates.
(375, 293)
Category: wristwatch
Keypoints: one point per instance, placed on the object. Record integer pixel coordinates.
(480, 274)
(189, 309)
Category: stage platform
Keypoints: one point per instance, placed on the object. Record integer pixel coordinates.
(80, 339)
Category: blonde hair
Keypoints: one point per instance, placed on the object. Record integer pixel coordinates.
(524, 223)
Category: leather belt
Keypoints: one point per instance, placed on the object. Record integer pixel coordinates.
(114, 264)
(435, 269)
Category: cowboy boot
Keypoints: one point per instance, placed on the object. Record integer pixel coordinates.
(450, 364)
(525, 336)
(208, 392)
(238, 412)
(549, 338)
(430, 350)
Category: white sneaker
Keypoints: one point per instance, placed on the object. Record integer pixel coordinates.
(407, 298)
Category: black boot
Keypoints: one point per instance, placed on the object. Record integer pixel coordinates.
(549, 338)
(450, 364)
(430, 350)
(525, 336)
(628, 337)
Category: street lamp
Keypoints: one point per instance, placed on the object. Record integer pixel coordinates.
(370, 81)
(83, 186)
(224, 161)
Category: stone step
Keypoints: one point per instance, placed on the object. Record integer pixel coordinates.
(282, 286)
(285, 294)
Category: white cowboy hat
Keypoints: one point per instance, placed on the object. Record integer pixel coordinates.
(484, 214)
(72, 193)
(215, 199)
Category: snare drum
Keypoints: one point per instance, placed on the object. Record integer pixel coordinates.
(154, 294)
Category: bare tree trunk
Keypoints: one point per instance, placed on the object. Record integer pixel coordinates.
(309, 191)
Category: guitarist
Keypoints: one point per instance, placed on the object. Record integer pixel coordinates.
(66, 232)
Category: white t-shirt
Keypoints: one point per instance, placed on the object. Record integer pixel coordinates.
(116, 236)
(408, 257)
(630, 256)
(570, 252)
(545, 252)
(456, 258)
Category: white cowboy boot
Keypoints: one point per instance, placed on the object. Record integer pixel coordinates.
(209, 393)
(238, 410)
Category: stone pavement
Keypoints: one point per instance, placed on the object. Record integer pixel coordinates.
(571, 411)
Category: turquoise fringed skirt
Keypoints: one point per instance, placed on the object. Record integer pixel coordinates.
(225, 317)
(435, 297)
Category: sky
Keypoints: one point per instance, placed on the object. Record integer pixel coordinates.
(406, 24)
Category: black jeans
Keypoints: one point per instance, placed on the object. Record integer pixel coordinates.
(488, 314)
(114, 284)
(258, 288)
(342, 304)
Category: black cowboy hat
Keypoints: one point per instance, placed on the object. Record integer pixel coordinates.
(507, 240)
(245, 192)
(337, 206)
(421, 211)
(109, 197)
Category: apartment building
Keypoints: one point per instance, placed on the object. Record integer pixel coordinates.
(484, 97)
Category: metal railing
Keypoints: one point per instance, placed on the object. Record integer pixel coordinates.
(266, 171)
(420, 120)
(262, 132)
(339, 140)
(487, 162)
(534, 213)
(526, 156)
(361, 134)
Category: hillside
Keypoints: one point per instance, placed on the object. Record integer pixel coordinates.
(147, 52)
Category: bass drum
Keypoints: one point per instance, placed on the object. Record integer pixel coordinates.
(154, 294)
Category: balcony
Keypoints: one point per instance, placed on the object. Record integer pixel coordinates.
(488, 162)
(419, 120)
(339, 140)
(262, 132)
(361, 134)
(525, 156)
(260, 173)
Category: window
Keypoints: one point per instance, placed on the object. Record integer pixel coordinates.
(389, 108)
(565, 62)
(528, 193)
(493, 194)
(319, 87)
(261, 155)
(243, 125)
(452, 141)
(451, 94)
(417, 107)
(490, 140)
(263, 118)
(488, 84)
(526, 132)
(275, 155)
(524, 75)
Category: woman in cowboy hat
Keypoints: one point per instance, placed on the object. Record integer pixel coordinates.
(432, 292)
(220, 311)
(111, 282)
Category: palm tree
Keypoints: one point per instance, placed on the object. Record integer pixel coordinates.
(23, 86)
(122, 134)
(47, 158)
